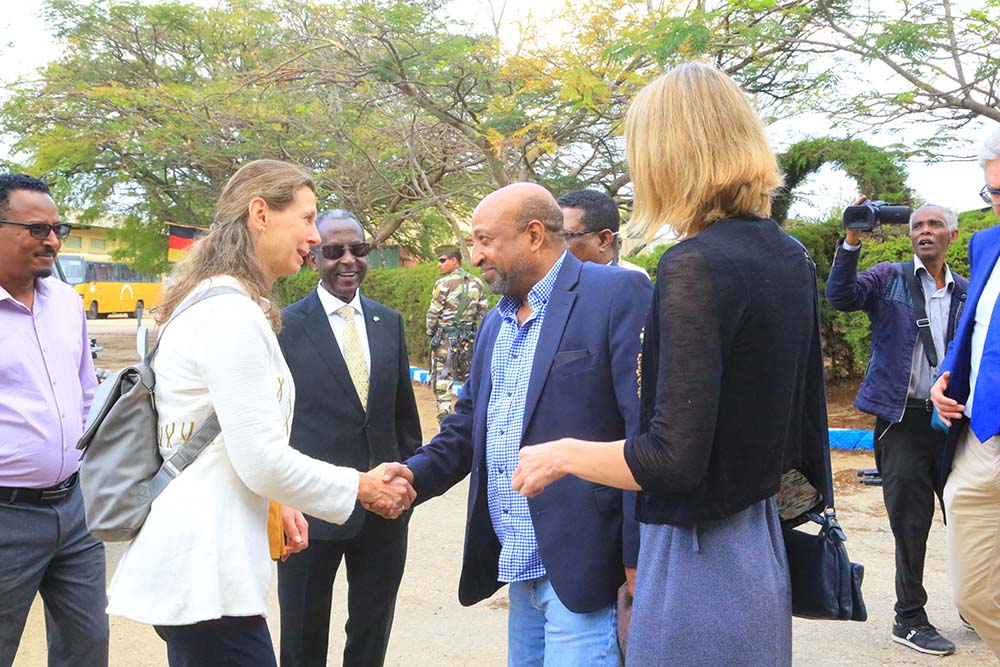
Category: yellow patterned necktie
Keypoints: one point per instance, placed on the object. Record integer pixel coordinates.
(354, 355)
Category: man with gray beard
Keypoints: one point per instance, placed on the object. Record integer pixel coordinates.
(556, 358)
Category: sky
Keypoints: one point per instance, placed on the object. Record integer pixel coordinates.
(25, 46)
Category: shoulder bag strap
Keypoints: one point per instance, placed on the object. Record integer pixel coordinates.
(918, 299)
(209, 429)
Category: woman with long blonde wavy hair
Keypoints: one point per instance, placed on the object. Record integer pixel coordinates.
(199, 569)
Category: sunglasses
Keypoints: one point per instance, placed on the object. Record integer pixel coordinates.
(41, 230)
(990, 195)
(569, 236)
(442, 260)
(337, 251)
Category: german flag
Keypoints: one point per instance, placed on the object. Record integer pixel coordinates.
(182, 237)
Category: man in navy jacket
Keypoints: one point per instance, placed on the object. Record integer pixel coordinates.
(557, 357)
(967, 396)
(896, 391)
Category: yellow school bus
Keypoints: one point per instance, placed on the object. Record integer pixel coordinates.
(109, 287)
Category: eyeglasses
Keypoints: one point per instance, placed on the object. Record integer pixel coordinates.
(990, 195)
(41, 230)
(337, 251)
(442, 260)
(569, 236)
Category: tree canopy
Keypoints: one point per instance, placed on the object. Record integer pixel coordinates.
(407, 117)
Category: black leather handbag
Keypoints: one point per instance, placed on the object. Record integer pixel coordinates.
(825, 583)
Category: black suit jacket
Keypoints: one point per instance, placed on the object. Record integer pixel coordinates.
(329, 423)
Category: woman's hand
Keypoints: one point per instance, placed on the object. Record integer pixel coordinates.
(386, 490)
(540, 465)
(296, 530)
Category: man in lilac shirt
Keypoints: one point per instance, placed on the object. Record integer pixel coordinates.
(47, 382)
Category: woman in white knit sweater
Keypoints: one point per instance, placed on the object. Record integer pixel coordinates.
(199, 569)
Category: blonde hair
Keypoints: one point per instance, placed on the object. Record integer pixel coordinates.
(697, 152)
(228, 247)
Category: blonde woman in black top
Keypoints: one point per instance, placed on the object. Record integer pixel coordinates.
(729, 373)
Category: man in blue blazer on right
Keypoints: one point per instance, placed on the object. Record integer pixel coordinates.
(556, 358)
(967, 398)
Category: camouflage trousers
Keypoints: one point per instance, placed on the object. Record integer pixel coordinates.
(446, 371)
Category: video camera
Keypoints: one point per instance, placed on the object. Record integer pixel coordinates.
(866, 216)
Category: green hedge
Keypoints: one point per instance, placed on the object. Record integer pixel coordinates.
(845, 335)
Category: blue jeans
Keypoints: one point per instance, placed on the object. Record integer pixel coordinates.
(542, 632)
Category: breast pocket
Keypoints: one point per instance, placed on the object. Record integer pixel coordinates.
(570, 362)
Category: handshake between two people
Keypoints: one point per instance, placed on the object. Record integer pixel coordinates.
(386, 490)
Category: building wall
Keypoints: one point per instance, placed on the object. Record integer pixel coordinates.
(85, 239)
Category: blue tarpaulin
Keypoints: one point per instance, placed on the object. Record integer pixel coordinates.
(849, 438)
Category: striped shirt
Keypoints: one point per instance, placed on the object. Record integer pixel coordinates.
(510, 371)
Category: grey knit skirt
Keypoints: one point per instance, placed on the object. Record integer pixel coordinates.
(715, 594)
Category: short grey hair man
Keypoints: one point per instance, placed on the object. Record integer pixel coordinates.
(950, 215)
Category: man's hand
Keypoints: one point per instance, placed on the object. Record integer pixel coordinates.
(853, 236)
(947, 408)
(386, 490)
(296, 530)
(539, 466)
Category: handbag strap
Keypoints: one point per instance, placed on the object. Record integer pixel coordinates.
(919, 301)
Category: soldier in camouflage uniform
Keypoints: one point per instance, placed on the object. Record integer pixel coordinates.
(458, 303)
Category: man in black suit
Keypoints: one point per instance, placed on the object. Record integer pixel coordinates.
(354, 406)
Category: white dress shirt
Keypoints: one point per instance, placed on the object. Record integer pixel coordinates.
(331, 304)
(984, 313)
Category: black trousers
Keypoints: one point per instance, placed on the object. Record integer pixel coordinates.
(906, 455)
(375, 558)
(230, 641)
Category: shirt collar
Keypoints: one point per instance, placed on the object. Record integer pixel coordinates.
(42, 290)
(539, 295)
(332, 303)
(949, 280)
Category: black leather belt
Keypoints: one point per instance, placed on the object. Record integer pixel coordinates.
(924, 404)
(49, 496)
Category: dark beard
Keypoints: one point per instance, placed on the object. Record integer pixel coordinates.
(42, 273)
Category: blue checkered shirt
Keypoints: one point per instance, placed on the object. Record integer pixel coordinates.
(510, 370)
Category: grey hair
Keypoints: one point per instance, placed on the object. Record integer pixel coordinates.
(990, 149)
(950, 215)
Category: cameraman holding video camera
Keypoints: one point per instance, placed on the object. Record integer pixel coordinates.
(914, 307)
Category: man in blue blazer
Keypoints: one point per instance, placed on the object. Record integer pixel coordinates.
(557, 357)
(967, 397)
